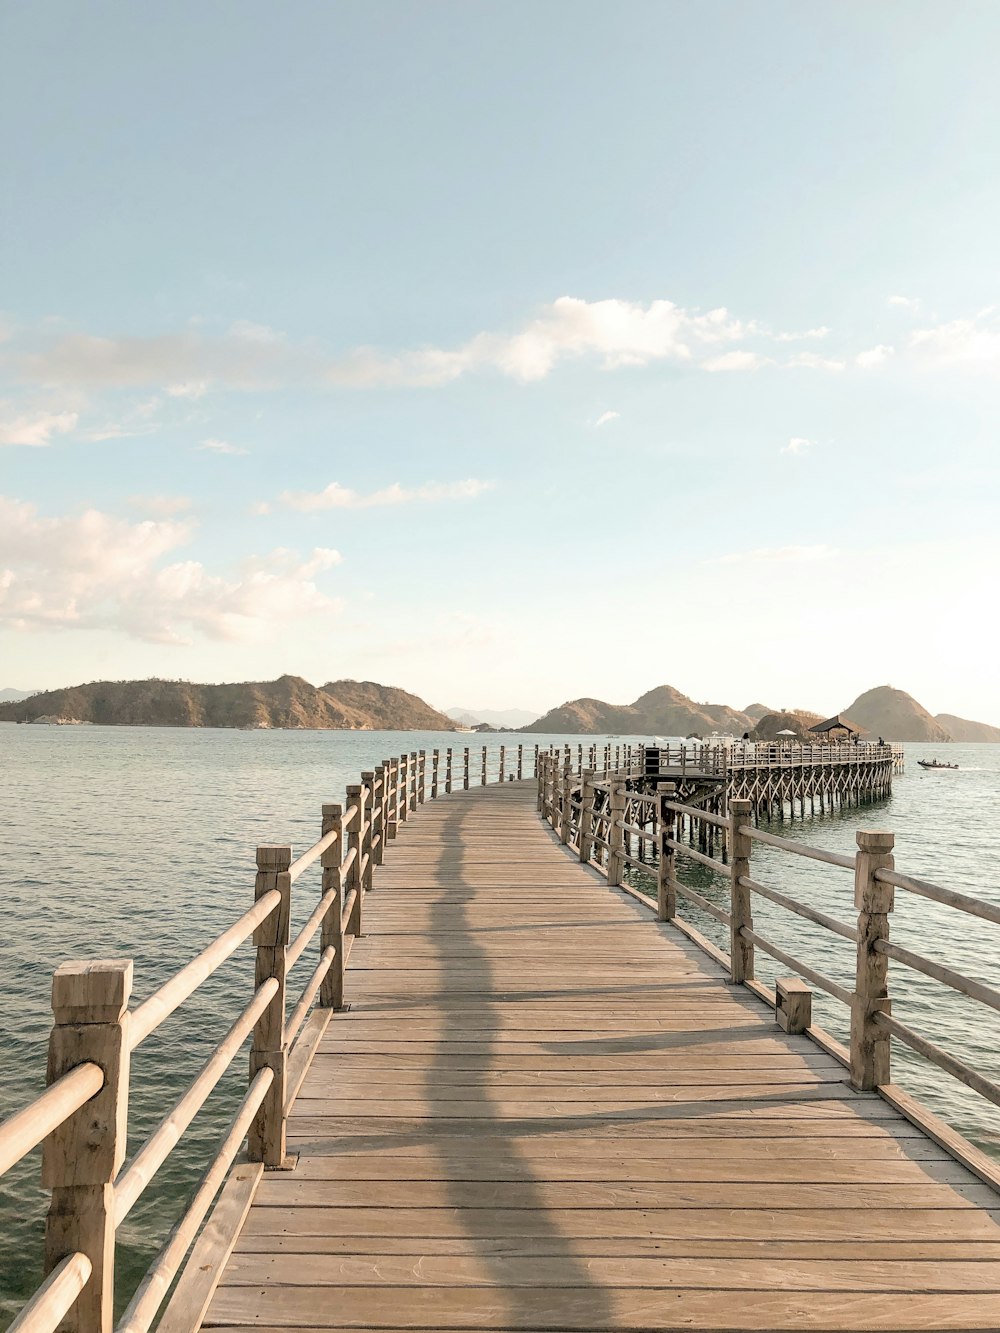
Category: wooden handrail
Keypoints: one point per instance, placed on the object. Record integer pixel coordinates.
(599, 814)
(154, 1286)
(313, 854)
(798, 848)
(55, 1297)
(298, 946)
(137, 1176)
(26, 1129)
(309, 993)
(96, 995)
(148, 1016)
(949, 897)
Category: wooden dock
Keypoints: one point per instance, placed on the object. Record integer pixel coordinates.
(543, 1110)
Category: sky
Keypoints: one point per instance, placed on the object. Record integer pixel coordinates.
(505, 352)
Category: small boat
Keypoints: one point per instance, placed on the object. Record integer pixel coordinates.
(934, 763)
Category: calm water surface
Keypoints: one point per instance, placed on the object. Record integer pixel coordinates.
(138, 842)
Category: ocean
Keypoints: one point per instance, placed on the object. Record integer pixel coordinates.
(139, 842)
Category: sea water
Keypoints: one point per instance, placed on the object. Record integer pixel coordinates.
(138, 842)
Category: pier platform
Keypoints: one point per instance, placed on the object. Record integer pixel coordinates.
(543, 1110)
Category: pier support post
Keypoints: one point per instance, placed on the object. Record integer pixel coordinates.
(874, 901)
(266, 1142)
(616, 835)
(331, 990)
(81, 1158)
(741, 915)
(666, 869)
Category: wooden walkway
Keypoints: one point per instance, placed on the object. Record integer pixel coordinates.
(545, 1111)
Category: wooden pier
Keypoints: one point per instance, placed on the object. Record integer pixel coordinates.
(514, 1094)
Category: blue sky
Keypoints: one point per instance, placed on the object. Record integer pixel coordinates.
(507, 353)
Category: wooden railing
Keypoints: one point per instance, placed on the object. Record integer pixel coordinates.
(81, 1120)
(600, 816)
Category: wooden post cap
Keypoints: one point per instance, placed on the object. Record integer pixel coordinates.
(869, 840)
(95, 991)
(274, 858)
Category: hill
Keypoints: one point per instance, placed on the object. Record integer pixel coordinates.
(895, 715)
(289, 702)
(961, 729)
(663, 711)
(797, 721)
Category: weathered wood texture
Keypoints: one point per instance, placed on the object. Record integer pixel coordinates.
(545, 1110)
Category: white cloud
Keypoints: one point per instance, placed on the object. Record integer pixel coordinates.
(95, 571)
(221, 447)
(812, 361)
(604, 418)
(780, 555)
(970, 343)
(37, 428)
(735, 361)
(908, 303)
(162, 505)
(336, 496)
(252, 356)
(797, 445)
(875, 356)
(820, 332)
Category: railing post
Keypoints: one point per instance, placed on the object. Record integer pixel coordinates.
(403, 804)
(874, 901)
(740, 846)
(484, 766)
(566, 808)
(392, 799)
(666, 869)
(465, 777)
(421, 778)
(520, 762)
(447, 772)
(616, 835)
(586, 813)
(266, 1141)
(414, 778)
(540, 783)
(503, 755)
(378, 814)
(81, 1158)
(355, 797)
(331, 991)
(367, 832)
(435, 760)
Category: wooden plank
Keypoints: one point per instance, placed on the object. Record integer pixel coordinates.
(703, 1273)
(594, 1308)
(210, 1252)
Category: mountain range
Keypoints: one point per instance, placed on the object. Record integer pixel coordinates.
(289, 701)
(883, 711)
